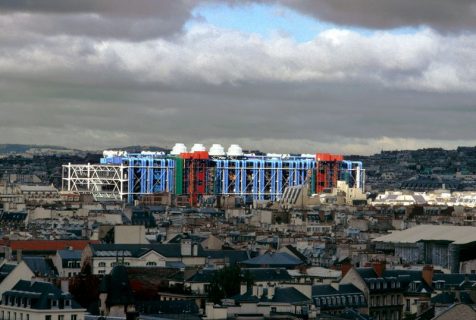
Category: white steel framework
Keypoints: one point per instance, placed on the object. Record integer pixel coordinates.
(102, 181)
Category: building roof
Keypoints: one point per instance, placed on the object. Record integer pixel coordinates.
(138, 250)
(5, 270)
(274, 259)
(202, 276)
(318, 272)
(450, 233)
(289, 295)
(268, 274)
(39, 266)
(47, 245)
(453, 279)
(327, 289)
(457, 311)
(41, 294)
(27, 188)
(232, 256)
(296, 252)
(70, 254)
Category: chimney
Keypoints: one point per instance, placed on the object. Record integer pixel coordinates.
(379, 268)
(186, 247)
(65, 285)
(19, 255)
(427, 275)
(345, 267)
(271, 290)
(8, 253)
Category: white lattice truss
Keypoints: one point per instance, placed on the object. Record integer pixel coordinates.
(102, 181)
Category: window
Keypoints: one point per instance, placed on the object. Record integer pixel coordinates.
(54, 303)
(151, 263)
(407, 305)
(102, 264)
(67, 302)
(27, 316)
(60, 317)
(113, 264)
(74, 317)
(47, 317)
(101, 271)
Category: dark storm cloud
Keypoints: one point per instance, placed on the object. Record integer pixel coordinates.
(443, 15)
(104, 73)
(123, 19)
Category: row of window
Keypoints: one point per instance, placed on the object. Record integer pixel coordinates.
(74, 264)
(21, 316)
(113, 264)
(340, 300)
(13, 316)
(380, 301)
(384, 285)
(61, 317)
(26, 302)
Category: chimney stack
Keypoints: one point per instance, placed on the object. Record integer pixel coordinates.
(345, 267)
(379, 268)
(427, 275)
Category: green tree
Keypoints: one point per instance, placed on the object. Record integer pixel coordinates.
(226, 283)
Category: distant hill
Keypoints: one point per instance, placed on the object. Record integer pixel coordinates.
(138, 149)
(21, 148)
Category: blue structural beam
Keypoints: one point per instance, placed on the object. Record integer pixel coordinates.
(259, 177)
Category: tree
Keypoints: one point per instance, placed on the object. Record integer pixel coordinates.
(226, 283)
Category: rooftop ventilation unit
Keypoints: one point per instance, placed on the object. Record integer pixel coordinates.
(235, 151)
(178, 149)
(217, 150)
(198, 147)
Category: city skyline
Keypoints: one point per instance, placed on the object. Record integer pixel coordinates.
(308, 75)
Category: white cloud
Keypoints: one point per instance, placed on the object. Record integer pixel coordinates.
(421, 61)
(341, 92)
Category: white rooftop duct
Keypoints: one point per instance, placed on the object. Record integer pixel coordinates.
(216, 150)
(235, 151)
(109, 153)
(178, 149)
(198, 147)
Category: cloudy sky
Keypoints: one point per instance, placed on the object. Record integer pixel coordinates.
(279, 75)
